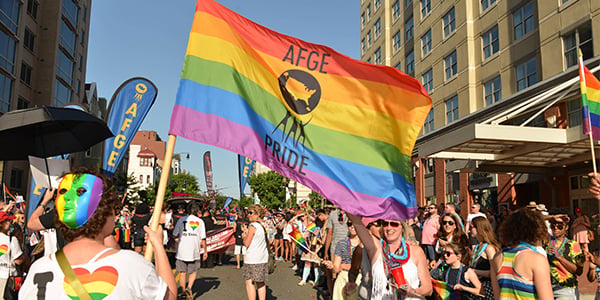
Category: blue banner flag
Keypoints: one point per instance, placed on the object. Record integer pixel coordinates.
(245, 165)
(128, 107)
(227, 202)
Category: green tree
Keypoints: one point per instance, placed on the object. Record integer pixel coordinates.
(148, 195)
(182, 183)
(270, 188)
(315, 200)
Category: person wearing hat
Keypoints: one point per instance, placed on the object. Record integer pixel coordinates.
(532, 205)
(13, 255)
(580, 229)
(85, 267)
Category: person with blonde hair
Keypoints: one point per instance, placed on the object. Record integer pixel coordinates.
(255, 269)
(392, 255)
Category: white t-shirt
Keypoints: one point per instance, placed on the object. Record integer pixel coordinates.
(257, 252)
(191, 232)
(472, 216)
(123, 275)
(9, 251)
(286, 231)
(50, 241)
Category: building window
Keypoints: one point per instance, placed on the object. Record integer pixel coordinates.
(377, 28)
(378, 56)
(22, 103)
(369, 12)
(84, 13)
(452, 109)
(523, 21)
(62, 94)
(428, 80)
(396, 9)
(26, 73)
(16, 178)
(486, 3)
(407, 3)
(574, 113)
(369, 41)
(67, 37)
(527, 74)
(80, 62)
(449, 22)
(426, 42)
(425, 7)
(82, 37)
(363, 46)
(369, 60)
(409, 26)
(398, 66)
(64, 67)
(32, 8)
(491, 44)
(363, 21)
(450, 65)
(9, 14)
(28, 39)
(428, 125)
(377, 4)
(397, 41)
(410, 63)
(148, 179)
(580, 38)
(141, 179)
(493, 91)
(70, 11)
(5, 92)
(77, 87)
(7, 52)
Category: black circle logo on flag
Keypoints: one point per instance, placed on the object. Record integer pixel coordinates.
(301, 91)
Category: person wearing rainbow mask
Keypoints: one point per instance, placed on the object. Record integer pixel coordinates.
(87, 269)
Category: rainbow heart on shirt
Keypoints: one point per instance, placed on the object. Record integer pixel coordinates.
(98, 284)
(194, 224)
(3, 249)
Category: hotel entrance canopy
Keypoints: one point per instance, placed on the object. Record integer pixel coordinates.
(490, 138)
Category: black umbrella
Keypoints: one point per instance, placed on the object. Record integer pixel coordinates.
(49, 131)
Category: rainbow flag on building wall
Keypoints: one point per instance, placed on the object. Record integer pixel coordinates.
(342, 127)
(590, 95)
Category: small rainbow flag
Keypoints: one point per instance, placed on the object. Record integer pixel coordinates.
(443, 291)
(126, 235)
(590, 95)
(300, 241)
(342, 127)
(8, 193)
(311, 227)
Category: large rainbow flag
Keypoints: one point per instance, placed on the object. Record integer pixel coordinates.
(342, 127)
(590, 95)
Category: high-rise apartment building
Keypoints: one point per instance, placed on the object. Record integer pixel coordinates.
(43, 53)
(505, 127)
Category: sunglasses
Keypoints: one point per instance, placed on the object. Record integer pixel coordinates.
(250, 212)
(391, 224)
(448, 253)
(448, 223)
(349, 224)
(375, 223)
(473, 207)
(559, 226)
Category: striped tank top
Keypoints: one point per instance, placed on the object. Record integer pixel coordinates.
(512, 285)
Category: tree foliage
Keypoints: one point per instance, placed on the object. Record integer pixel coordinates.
(182, 183)
(270, 188)
(315, 199)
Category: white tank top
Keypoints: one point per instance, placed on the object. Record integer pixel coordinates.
(380, 289)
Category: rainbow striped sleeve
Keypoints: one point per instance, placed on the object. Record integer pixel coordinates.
(590, 96)
(342, 127)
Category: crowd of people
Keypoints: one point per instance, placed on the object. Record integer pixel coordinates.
(81, 233)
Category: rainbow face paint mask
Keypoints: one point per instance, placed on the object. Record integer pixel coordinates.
(77, 198)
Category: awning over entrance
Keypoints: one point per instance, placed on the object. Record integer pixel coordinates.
(492, 143)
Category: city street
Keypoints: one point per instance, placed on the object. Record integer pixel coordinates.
(226, 282)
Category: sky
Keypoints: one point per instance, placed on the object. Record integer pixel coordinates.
(148, 38)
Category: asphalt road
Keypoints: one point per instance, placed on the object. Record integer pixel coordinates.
(226, 282)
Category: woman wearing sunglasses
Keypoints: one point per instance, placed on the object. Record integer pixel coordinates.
(459, 277)
(484, 251)
(399, 267)
(450, 229)
(521, 270)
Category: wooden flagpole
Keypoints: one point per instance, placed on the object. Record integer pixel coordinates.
(160, 194)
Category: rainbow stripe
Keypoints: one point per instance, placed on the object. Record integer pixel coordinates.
(311, 227)
(300, 241)
(353, 141)
(590, 95)
(9, 194)
(443, 291)
(99, 284)
(512, 285)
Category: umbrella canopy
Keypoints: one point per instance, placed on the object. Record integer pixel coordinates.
(49, 131)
